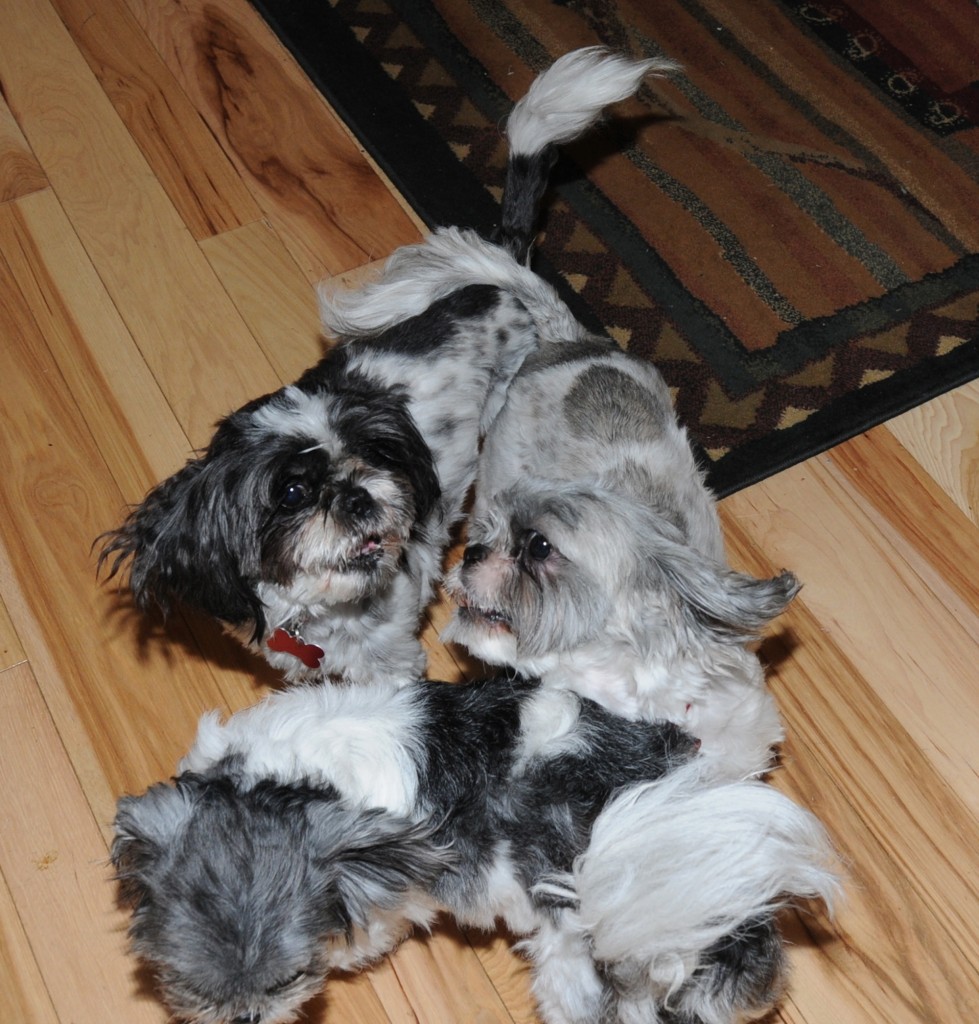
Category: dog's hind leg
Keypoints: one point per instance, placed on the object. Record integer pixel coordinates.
(739, 978)
(566, 984)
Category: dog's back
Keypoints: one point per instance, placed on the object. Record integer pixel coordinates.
(590, 414)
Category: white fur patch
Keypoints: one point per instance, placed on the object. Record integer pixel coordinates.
(362, 740)
(676, 864)
(305, 415)
(449, 259)
(548, 726)
(569, 97)
(566, 984)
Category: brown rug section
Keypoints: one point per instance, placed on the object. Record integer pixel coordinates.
(788, 229)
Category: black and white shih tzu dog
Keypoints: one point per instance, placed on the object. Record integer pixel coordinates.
(317, 517)
(312, 832)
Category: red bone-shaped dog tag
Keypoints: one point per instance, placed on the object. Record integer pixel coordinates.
(288, 643)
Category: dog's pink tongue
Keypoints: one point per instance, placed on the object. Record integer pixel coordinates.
(286, 643)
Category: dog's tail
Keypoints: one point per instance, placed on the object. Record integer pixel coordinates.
(561, 104)
(680, 870)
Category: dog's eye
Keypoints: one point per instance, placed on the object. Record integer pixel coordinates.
(294, 495)
(281, 986)
(538, 547)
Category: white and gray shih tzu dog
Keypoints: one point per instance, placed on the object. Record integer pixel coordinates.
(595, 559)
(316, 520)
(313, 831)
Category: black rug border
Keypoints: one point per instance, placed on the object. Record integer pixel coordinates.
(443, 192)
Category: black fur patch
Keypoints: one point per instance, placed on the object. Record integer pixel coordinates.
(547, 808)
(425, 333)
(526, 182)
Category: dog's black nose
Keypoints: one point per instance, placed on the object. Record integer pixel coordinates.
(252, 1017)
(475, 553)
(355, 502)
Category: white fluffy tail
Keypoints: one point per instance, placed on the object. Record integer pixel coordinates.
(560, 105)
(417, 275)
(677, 864)
(569, 97)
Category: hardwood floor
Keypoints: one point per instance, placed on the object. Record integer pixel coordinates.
(170, 189)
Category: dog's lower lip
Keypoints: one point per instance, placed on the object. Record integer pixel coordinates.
(369, 553)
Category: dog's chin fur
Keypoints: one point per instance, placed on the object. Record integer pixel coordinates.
(314, 831)
(595, 557)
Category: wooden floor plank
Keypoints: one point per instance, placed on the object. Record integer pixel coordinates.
(23, 995)
(56, 496)
(56, 869)
(320, 194)
(103, 369)
(925, 516)
(272, 294)
(943, 435)
(184, 156)
(921, 659)
(20, 173)
(907, 940)
(11, 651)
(159, 280)
(445, 981)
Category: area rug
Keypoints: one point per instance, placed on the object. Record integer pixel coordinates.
(788, 229)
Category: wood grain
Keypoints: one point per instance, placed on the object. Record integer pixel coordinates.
(148, 261)
(943, 436)
(272, 294)
(56, 869)
(314, 185)
(870, 592)
(23, 995)
(11, 651)
(171, 188)
(20, 173)
(187, 161)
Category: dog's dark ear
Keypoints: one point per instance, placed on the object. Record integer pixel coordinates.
(372, 858)
(729, 606)
(177, 545)
(379, 428)
(145, 827)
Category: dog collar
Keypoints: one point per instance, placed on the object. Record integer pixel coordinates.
(288, 641)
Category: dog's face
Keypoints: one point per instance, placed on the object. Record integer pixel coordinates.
(237, 893)
(551, 569)
(526, 586)
(303, 498)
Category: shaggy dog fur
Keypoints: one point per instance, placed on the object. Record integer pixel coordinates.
(312, 832)
(316, 519)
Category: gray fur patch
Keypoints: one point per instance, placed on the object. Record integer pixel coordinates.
(568, 352)
(609, 405)
(655, 495)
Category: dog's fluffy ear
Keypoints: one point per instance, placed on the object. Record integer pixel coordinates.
(373, 858)
(379, 428)
(727, 605)
(145, 827)
(176, 544)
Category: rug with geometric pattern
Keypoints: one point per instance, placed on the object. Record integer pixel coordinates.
(789, 229)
